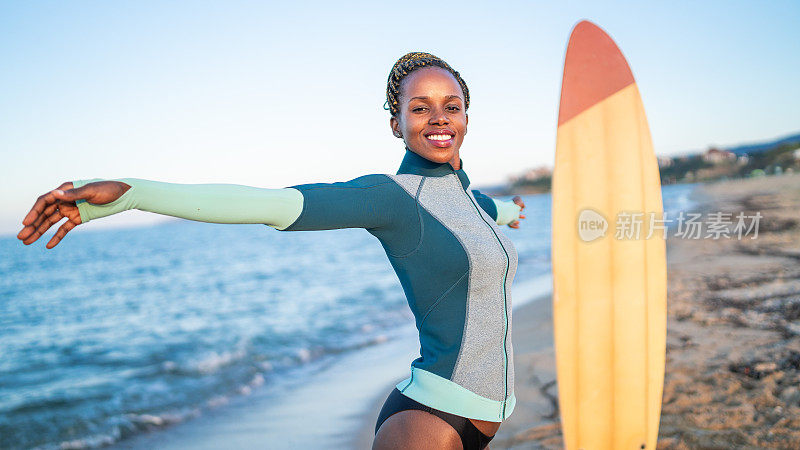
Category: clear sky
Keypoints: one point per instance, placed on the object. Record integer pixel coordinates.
(274, 94)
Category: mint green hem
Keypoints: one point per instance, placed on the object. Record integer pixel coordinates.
(445, 395)
(507, 211)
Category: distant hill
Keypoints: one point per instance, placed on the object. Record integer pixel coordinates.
(771, 157)
(763, 146)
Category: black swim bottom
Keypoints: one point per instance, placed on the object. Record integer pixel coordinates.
(471, 437)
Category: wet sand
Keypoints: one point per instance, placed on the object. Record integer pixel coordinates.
(733, 335)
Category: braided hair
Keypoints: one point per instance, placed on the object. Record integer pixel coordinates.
(407, 64)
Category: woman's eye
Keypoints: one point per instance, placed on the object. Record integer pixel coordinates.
(453, 108)
(419, 108)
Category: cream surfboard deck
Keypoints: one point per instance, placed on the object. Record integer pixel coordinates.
(609, 293)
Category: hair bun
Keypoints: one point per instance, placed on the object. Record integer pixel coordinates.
(405, 65)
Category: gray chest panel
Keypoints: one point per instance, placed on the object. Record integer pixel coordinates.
(484, 364)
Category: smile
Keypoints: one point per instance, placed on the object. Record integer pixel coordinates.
(440, 138)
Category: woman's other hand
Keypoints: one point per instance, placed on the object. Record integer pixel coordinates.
(518, 200)
(59, 203)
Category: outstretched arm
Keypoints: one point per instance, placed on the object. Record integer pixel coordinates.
(85, 200)
(216, 203)
(372, 202)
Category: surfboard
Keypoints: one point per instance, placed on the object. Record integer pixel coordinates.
(609, 283)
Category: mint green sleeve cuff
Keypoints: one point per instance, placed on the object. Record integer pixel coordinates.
(215, 203)
(507, 211)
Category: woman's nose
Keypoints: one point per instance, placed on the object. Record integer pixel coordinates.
(439, 117)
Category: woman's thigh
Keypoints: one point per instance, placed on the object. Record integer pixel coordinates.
(416, 430)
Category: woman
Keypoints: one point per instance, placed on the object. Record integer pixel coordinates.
(442, 239)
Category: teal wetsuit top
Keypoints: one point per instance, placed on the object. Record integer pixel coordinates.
(442, 239)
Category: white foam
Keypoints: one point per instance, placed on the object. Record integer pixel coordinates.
(328, 407)
(213, 361)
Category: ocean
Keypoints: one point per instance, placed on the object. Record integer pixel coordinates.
(117, 332)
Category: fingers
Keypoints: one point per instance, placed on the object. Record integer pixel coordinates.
(47, 211)
(44, 215)
(28, 230)
(518, 200)
(62, 231)
(43, 227)
(38, 208)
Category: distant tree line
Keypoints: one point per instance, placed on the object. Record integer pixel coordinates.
(713, 164)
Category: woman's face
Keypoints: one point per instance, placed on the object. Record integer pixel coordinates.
(431, 117)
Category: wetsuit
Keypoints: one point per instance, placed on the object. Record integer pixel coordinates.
(442, 239)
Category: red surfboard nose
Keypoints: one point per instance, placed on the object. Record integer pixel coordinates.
(594, 69)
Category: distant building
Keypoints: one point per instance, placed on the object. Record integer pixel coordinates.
(716, 156)
(796, 154)
(743, 159)
(664, 161)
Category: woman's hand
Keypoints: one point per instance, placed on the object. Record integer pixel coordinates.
(518, 200)
(59, 203)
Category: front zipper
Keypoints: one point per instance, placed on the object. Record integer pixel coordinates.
(505, 297)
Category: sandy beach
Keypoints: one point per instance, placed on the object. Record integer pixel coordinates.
(733, 345)
(733, 351)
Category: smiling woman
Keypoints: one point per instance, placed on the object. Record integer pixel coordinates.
(442, 239)
(435, 99)
(461, 387)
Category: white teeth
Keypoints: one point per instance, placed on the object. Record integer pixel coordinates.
(439, 137)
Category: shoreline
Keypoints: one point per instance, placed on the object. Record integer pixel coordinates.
(326, 406)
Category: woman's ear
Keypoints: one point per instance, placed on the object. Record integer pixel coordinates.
(466, 122)
(395, 125)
